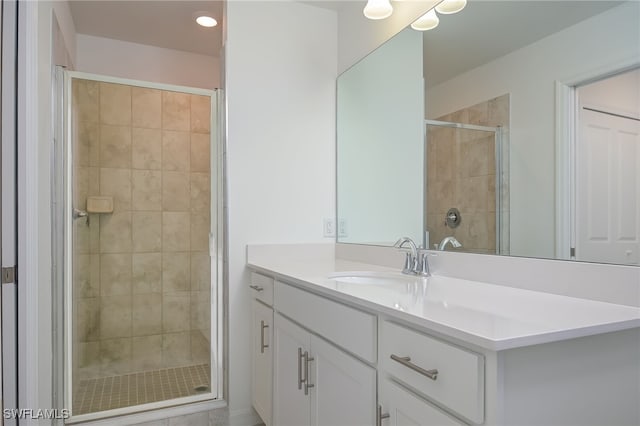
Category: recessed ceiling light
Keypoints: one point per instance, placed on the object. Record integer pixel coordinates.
(205, 20)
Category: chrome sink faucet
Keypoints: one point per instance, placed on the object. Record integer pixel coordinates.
(449, 240)
(416, 260)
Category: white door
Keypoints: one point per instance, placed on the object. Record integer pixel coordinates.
(608, 188)
(291, 407)
(262, 323)
(405, 409)
(344, 389)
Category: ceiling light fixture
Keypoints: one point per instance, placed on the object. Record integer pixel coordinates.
(426, 22)
(448, 7)
(204, 19)
(378, 9)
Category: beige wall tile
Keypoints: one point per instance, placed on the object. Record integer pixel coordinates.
(115, 357)
(94, 232)
(200, 271)
(146, 148)
(200, 154)
(88, 319)
(147, 314)
(147, 272)
(499, 111)
(115, 274)
(115, 233)
(175, 151)
(115, 104)
(146, 107)
(117, 184)
(88, 143)
(86, 100)
(176, 272)
(147, 190)
(200, 192)
(471, 194)
(479, 114)
(477, 156)
(437, 228)
(200, 348)
(176, 111)
(176, 349)
(175, 231)
(81, 235)
(89, 360)
(176, 312)
(200, 231)
(147, 353)
(87, 275)
(115, 146)
(200, 310)
(200, 113)
(491, 193)
(146, 231)
(176, 191)
(440, 197)
(115, 316)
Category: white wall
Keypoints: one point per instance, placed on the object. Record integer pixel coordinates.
(39, 39)
(618, 94)
(135, 61)
(280, 87)
(358, 36)
(582, 51)
(380, 133)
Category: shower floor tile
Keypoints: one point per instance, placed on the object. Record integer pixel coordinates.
(108, 393)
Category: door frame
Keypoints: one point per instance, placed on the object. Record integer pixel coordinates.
(212, 400)
(566, 133)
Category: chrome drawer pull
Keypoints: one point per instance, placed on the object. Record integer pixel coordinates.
(406, 361)
(263, 345)
(256, 287)
(307, 360)
(300, 379)
(381, 416)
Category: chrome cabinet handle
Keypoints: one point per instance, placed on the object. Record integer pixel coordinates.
(406, 361)
(263, 345)
(307, 360)
(300, 379)
(381, 416)
(256, 287)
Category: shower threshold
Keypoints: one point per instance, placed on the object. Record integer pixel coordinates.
(109, 393)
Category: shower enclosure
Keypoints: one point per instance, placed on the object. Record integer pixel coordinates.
(142, 231)
(466, 181)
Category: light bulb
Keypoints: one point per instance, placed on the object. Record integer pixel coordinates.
(378, 9)
(206, 21)
(448, 7)
(428, 21)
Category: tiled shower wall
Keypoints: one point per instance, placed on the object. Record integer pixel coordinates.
(461, 173)
(141, 282)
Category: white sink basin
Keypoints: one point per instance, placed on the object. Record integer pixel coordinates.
(374, 278)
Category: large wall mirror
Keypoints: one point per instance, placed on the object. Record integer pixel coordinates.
(512, 128)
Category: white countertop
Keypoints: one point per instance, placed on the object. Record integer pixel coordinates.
(494, 317)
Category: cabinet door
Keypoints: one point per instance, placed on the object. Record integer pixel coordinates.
(262, 359)
(291, 406)
(344, 388)
(406, 409)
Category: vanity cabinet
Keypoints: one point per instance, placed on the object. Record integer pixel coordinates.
(262, 346)
(316, 380)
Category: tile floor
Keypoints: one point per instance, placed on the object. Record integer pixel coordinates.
(108, 393)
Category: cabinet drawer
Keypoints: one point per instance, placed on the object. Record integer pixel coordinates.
(347, 327)
(262, 288)
(459, 384)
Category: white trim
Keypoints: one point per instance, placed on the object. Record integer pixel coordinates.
(141, 83)
(126, 418)
(29, 268)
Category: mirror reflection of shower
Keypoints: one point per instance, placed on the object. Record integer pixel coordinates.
(466, 180)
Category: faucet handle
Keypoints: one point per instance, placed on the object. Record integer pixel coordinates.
(422, 267)
(409, 262)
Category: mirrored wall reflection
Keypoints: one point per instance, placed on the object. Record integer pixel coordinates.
(467, 192)
(141, 296)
